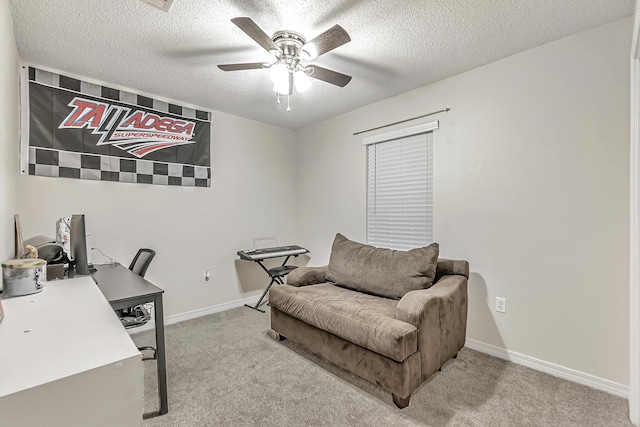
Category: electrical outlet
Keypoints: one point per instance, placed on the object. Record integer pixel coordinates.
(501, 305)
(207, 276)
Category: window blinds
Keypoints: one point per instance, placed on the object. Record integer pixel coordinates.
(400, 192)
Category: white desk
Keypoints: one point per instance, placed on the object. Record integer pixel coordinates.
(76, 365)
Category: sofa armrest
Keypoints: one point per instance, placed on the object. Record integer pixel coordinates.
(440, 314)
(447, 267)
(303, 276)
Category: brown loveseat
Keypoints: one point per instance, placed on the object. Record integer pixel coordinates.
(391, 317)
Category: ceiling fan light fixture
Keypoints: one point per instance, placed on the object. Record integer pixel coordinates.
(308, 53)
(301, 81)
(290, 48)
(281, 87)
(279, 73)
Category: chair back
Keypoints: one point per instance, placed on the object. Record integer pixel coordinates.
(141, 261)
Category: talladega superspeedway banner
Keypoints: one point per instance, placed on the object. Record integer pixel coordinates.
(77, 129)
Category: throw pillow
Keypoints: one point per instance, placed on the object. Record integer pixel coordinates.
(384, 272)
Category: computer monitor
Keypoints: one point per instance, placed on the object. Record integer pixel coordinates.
(78, 245)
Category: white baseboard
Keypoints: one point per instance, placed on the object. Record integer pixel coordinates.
(170, 320)
(501, 353)
(550, 368)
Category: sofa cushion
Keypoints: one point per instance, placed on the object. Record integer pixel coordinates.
(365, 320)
(380, 271)
(305, 276)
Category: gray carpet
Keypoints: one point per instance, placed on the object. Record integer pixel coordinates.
(225, 369)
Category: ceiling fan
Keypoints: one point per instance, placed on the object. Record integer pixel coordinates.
(289, 49)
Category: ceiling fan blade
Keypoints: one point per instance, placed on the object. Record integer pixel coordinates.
(329, 76)
(252, 30)
(334, 37)
(246, 66)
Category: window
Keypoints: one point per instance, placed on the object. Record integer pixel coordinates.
(400, 188)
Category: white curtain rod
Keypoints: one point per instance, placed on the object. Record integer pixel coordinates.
(403, 121)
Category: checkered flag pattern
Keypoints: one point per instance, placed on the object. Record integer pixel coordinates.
(54, 162)
(65, 164)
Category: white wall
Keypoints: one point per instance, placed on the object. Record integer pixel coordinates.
(531, 186)
(192, 229)
(9, 131)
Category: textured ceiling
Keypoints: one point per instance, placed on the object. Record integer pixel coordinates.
(396, 45)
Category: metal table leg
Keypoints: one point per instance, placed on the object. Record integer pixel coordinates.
(161, 360)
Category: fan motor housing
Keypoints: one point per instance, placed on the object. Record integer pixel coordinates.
(289, 41)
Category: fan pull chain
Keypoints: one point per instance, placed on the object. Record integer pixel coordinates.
(288, 106)
(277, 98)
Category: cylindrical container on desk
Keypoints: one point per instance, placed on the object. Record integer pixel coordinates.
(23, 276)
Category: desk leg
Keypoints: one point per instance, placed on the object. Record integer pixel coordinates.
(162, 361)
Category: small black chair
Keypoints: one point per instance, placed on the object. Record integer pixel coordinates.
(138, 315)
(141, 261)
